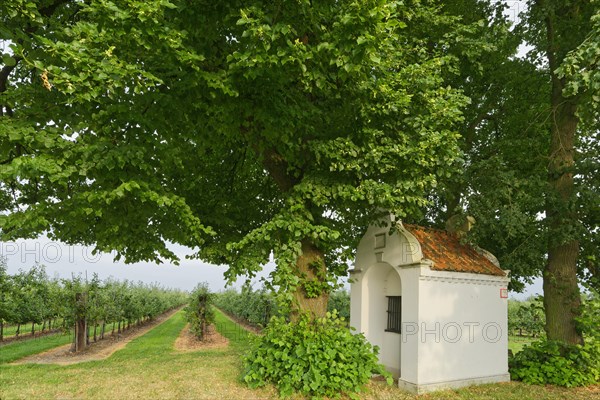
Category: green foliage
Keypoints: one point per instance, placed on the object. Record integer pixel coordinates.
(255, 307)
(199, 312)
(526, 317)
(112, 301)
(238, 128)
(28, 296)
(590, 317)
(580, 69)
(504, 142)
(557, 363)
(340, 302)
(6, 291)
(318, 358)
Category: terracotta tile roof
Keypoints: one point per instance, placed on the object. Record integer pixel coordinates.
(449, 254)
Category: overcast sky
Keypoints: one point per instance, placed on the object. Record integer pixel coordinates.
(64, 260)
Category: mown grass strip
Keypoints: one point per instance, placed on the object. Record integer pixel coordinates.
(237, 334)
(17, 350)
(157, 342)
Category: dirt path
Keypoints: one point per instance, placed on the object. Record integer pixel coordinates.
(96, 351)
(187, 341)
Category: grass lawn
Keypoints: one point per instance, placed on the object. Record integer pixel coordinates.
(23, 348)
(149, 367)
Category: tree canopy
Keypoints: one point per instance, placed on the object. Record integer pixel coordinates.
(240, 129)
(250, 129)
(530, 139)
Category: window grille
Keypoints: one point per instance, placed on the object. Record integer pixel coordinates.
(394, 314)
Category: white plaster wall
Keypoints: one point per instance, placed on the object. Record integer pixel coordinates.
(374, 316)
(390, 347)
(368, 313)
(401, 248)
(462, 328)
(356, 302)
(409, 357)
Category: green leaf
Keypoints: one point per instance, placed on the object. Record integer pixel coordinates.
(8, 60)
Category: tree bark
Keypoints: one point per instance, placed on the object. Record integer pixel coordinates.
(80, 324)
(312, 270)
(562, 300)
(80, 335)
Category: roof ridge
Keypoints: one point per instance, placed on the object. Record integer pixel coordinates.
(449, 253)
(426, 227)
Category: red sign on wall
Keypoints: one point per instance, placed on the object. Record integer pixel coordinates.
(503, 293)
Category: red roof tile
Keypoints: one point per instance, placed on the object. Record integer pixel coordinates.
(449, 254)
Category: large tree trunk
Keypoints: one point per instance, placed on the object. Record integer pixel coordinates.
(310, 266)
(561, 293)
(562, 299)
(310, 296)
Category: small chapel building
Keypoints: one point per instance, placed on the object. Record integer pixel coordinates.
(435, 306)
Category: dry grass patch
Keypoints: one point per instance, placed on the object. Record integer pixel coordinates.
(504, 391)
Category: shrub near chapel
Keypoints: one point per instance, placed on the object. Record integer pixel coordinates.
(316, 357)
(552, 362)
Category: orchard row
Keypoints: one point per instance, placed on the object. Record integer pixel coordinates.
(256, 307)
(32, 298)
